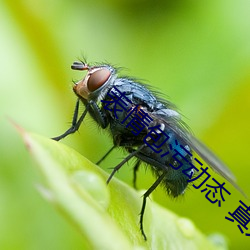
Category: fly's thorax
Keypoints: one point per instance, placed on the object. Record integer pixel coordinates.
(96, 81)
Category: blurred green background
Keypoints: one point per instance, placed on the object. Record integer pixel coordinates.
(195, 52)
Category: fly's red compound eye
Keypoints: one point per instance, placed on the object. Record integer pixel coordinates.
(97, 79)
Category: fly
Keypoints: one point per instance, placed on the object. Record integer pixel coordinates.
(101, 89)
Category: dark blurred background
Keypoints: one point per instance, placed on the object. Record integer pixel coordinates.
(196, 53)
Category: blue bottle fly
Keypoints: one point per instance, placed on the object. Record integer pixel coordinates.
(148, 127)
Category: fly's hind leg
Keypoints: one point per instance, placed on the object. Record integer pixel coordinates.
(145, 196)
(135, 169)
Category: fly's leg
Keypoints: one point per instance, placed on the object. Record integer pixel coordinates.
(145, 196)
(105, 155)
(135, 169)
(124, 161)
(75, 124)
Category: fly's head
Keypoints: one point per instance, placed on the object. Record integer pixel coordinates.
(95, 80)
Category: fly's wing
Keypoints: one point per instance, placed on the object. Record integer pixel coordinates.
(173, 122)
(213, 161)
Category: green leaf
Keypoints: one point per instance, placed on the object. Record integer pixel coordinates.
(107, 215)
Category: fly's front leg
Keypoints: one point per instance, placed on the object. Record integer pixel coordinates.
(75, 123)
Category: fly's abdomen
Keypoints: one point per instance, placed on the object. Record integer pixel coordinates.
(165, 153)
